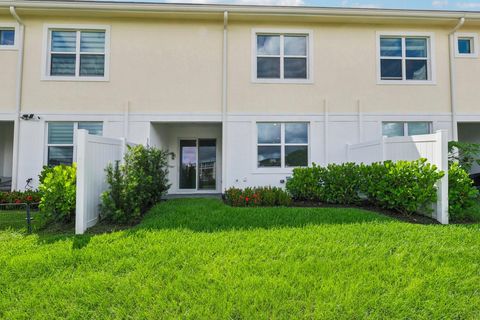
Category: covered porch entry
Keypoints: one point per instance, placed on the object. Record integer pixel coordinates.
(6, 154)
(197, 165)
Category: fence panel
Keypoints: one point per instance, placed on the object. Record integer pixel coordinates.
(94, 153)
(433, 147)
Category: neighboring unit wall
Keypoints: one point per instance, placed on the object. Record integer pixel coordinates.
(158, 65)
(344, 71)
(8, 74)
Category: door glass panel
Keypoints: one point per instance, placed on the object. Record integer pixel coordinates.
(207, 163)
(188, 164)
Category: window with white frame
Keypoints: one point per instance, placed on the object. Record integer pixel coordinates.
(405, 58)
(7, 36)
(283, 57)
(466, 45)
(61, 140)
(401, 129)
(77, 54)
(282, 144)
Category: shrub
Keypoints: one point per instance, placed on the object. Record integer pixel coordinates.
(462, 195)
(306, 183)
(463, 153)
(136, 185)
(335, 184)
(404, 186)
(58, 193)
(18, 197)
(257, 197)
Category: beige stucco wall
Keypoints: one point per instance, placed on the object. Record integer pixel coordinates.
(175, 66)
(345, 69)
(8, 67)
(157, 65)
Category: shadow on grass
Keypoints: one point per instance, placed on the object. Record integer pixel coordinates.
(210, 215)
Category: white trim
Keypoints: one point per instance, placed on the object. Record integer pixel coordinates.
(16, 39)
(474, 38)
(45, 65)
(282, 32)
(432, 77)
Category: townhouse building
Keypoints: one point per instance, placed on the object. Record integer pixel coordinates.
(241, 94)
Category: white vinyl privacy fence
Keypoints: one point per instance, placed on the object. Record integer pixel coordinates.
(94, 153)
(433, 147)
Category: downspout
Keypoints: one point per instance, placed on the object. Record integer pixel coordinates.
(224, 99)
(18, 98)
(453, 100)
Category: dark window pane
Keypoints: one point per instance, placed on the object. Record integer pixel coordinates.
(295, 68)
(416, 47)
(465, 46)
(417, 70)
(296, 133)
(391, 69)
(268, 45)
(269, 132)
(60, 155)
(7, 37)
(92, 41)
(393, 129)
(268, 68)
(391, 47)
(296, 156)
(188, 164)
(207, 161)
(269, 156)
(60, 132)
(62, 65)
(415, 128)
(92, 65)
(295, 45)
(64, 41)
(95, 128)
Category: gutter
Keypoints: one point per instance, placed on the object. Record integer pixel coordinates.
(18, 97)
(224, 99)
(453, 95)
(300, 11)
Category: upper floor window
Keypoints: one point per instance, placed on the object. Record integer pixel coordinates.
(78, 54)
(401, 129)
(282, 57)
(282, 144)
(405, 58)
(466, 45)
(7, 36)
(61, 140)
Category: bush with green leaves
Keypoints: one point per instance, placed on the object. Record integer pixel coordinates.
(258, 197)
(136, 184)
(334, 184)
(405, 186)
(58, 193)
(466, 154)
(462, 195)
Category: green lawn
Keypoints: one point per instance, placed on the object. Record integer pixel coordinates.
(16, 219)
(198, 259)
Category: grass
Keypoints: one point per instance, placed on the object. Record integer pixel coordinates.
(16, 219)
(198, 259)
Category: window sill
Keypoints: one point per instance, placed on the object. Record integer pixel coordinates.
(75, 79)
(282, 81)
(273, 170)
(407, 82)
(9, 48)
(466, 56)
